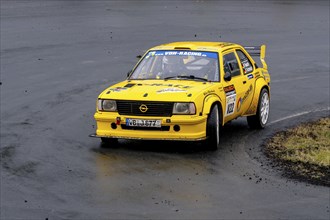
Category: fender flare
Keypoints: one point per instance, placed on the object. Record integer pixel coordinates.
(209, 101)
(259, 85)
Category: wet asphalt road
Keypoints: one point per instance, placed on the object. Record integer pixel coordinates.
(57, 56)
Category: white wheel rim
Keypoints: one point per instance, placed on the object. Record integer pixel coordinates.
(264, 111)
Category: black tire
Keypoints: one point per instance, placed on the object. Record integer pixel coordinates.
(259, 120)
(109, 142)
(213, 128)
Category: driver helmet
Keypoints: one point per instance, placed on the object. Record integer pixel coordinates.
(172, 64)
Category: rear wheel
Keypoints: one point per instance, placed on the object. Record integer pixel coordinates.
(260, 119)
(109, 142)
(213, 129)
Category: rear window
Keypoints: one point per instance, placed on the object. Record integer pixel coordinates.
(245, 62)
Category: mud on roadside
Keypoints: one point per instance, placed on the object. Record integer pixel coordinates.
(295, 168)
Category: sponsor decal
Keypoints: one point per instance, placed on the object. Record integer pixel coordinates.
(170, 90)
(117, 89)
(150, 54)
(239, 104)
(230, 99)
(243, 99)
(250, 76)
(170, 85)
(129, 85)
(246, 66)
(230, 105)
(248, 69)
(229, 90)
(208, 92)
(247, 94)
(182, 53)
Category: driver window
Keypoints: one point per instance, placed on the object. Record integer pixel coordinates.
(230, 64)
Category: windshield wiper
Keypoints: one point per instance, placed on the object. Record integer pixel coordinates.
(186, 77)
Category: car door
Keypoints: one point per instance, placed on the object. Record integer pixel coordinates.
(246, 84)
(235, 88)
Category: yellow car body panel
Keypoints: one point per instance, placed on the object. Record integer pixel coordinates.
(236, 97)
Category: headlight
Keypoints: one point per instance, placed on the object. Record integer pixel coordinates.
(184, 108)
(107, 105)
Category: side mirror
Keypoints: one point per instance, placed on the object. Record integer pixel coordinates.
(227, 76)
(139, 56)
(129, 72)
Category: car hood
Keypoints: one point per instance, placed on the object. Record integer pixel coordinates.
(156, 90)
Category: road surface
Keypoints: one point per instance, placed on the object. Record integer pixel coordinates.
(57, 56)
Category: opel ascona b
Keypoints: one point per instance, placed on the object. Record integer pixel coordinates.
(186, 91)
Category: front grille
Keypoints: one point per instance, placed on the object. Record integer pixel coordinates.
(153, 108)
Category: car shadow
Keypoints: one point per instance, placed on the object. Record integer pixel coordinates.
(230, 134)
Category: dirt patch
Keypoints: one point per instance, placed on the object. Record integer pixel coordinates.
(7, 155)
(303, 152)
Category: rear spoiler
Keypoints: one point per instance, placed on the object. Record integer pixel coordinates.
(258, 51)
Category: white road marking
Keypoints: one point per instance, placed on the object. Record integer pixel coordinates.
(296, 78)
(299, 114)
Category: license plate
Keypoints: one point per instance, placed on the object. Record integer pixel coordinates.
(143, 123)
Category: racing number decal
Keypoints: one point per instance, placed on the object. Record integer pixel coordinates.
(230, 99)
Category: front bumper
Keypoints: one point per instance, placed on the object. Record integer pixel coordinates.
(191, 128)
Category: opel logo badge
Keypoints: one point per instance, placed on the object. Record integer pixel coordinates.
(143, 108)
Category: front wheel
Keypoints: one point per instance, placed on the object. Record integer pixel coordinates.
(260, 119)
(213, 129)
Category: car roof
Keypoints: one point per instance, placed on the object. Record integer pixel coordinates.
(195, 45)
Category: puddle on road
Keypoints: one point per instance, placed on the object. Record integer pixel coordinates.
(163, 157)
(144, 157)
(163, 179)
(164, 173)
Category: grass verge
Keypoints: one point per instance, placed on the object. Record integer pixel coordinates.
(304, 151)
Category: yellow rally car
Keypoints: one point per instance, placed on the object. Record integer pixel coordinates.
(186, 91)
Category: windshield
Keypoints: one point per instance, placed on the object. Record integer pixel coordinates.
(181, 64)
